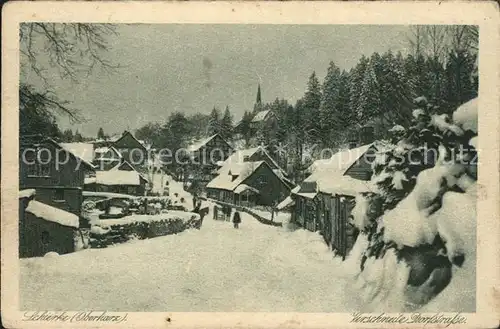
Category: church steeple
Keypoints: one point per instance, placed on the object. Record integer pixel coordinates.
(259, 98)
(258, 102)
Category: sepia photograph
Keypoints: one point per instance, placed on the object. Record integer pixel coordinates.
(244, 167)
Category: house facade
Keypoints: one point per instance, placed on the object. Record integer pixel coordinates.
(131, 149)
(55, 173)
(248, 183)
(263, 119)
(205, 156)
(324, 201)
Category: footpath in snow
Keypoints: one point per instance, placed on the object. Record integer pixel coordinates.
(217, 268)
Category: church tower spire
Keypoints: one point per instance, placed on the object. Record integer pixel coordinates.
(259, 98)
(258, 102)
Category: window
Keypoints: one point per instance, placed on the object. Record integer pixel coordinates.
(38, 163)
(246, 158)
(39, 170)
(59, 195)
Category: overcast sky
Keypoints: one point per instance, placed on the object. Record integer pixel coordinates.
(192, 68)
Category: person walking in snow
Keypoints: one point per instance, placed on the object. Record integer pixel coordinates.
(236, 219)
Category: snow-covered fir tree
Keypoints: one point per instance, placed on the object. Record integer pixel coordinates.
(417, 226)
(214, 121)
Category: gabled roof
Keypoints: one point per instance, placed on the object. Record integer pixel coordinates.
(239, 156)
(101, 152)
(116, 139)
(233, 174)
(261, 115)
(329, 175)
(339, 162)
(83, 150)
(37, 139)
(195, 146)
(125, 164)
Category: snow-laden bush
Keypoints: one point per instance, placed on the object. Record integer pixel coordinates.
(418, 228)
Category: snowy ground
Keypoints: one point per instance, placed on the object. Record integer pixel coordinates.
(217, 268)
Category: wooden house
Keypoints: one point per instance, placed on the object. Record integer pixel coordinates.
(263, 120)
(205, 156)
(43, 228)
(123, 178)
(324, 200)
(131, 149)
(248, 183)
(53, 171)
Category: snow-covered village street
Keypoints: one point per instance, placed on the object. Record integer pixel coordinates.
(218, 268)
(344, 184)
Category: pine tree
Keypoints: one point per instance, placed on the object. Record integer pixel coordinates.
(78, 138)
(244, 127)
(396, 93)
(311, 108)
(411, 166)
(355, 85)
(226, 124)
(100, 133)
(214, 122)
(67, 136)
(369, 104)
(330, 120)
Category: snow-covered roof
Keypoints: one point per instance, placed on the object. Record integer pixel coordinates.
(125, 163)
(52, 214)
(198, 144)
(107, 194)
(101, 152)
(117, 177)
(240, 155)
(225, 179)
(309, 195)
(329, 174)
(285, 203)
(343, 184)
(90, 180)
(466, 115)
(260, 116)
(339, 162)
(26, 193)
(244, 187)
(83, 151)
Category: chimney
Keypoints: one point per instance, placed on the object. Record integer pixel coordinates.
(366, 135)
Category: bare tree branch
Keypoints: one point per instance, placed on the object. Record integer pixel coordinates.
(73, 49)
